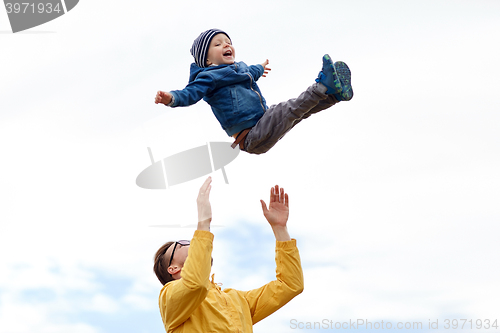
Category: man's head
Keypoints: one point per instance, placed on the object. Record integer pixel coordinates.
(213, 47)
(169, 260)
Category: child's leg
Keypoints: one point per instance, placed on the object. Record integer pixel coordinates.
(333, 85)
(280, 118)
(322, 105)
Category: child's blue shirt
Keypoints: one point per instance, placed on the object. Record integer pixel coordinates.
(231, 91)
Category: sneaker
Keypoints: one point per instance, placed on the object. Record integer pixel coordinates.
(336, 77)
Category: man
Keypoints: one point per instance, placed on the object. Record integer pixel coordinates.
(190, 302)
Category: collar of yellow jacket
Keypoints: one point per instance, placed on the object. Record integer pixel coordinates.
(216, 285)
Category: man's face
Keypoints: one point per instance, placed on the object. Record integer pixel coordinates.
(220, 51)
(180, 254)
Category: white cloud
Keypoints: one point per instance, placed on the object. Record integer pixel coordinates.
(20, 316)
(103, 303)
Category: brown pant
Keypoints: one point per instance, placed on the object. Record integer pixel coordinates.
(282, 117)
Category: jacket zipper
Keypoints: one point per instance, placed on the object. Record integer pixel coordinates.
(260, 98)
(224, 297)
(222, 294)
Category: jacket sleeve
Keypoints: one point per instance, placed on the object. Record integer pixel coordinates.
(288, 284)
(194, 91)
(256, 70)
(179, 298)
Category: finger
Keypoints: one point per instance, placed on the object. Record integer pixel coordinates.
(282, 195)
(264, 207)
(286, 199)
(277, 193)
(205, 185)
(271, 199)
(208, 183)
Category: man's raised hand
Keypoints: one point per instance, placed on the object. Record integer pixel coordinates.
(277, 214)
(204, 207)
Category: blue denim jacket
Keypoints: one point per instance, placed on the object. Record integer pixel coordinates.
(231, 91)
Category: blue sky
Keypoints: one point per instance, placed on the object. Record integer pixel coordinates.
(394, 195)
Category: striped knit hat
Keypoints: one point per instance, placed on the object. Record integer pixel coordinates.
(199, 50)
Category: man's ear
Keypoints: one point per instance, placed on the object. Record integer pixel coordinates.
(172, 270)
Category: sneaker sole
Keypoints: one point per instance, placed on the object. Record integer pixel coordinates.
(344, 74)
(338, 84)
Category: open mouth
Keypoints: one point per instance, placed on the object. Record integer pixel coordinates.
(228, 53)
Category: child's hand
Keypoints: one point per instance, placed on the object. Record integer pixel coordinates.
(266, 69)
(163, 97)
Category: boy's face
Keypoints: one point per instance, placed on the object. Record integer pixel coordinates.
(220, 51)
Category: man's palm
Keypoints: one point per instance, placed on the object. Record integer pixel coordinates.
(277, 214)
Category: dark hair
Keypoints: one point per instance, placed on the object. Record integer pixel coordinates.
(160, 265)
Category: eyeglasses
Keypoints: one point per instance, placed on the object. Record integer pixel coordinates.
(181, 243)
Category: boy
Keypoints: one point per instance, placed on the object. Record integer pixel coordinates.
(231, 90)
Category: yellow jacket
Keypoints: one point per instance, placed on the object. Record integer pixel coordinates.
(196, 304)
